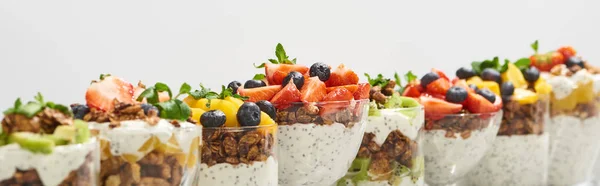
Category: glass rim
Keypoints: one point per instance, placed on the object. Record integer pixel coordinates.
(325, 102)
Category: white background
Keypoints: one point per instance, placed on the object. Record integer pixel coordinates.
(57, 47)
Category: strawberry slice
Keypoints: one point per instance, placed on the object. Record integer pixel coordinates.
(277, 72)
(287, 95)
(339, 94)
(440, 73)
(439, 86)
(436, 108)
(342, 76)
(412, 90)
(462, 83)
(351, 88)
(478, 104)
(313, 90)
(101, 95)
(260, 93)
(362, 91)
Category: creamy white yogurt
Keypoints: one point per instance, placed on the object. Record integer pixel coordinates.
(224, 174)
(131, 135)
(574, 148)
(311, 154)
(447, 160)
(514, 160)
(52, 168)
(391, 120)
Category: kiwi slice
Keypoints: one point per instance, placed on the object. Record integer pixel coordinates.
(373, 110)
(83, 132)
(394, 101)
(33, 142)
(65, 132)
(408, 103)
(58, 141)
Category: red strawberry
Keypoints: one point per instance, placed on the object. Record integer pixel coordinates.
(439, 86)
(454, 80)
(436, 108)
(545, 62)
(478, 104)
(439, 96)
(351, 88)
(567, 51)
(260, 93)
(462, 83)
(342, 76)
(313, 90)
(412, 90)
(276, 72)
(101, 95)
(440, 73)
(339, 94)
(362, 91)
(287, 95)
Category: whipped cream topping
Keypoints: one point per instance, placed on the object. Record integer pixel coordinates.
(563, 86)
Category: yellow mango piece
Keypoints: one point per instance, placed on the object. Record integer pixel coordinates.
(567, 103)
(541, 87)
(149, 144)
(193, 154)
(181, 158)
(201, 103)
(491, 85)
(515, 76)
(524, 96)
(584, 92)
(235, 101)
(268, 125)
(192, 159)
(197, 113)
(131, 158)
(230, 110)
(474, 80)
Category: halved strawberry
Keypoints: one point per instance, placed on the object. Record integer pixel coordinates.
(439, 96)
(287, 95)
(478, 104)
(440, 73)
(342, 76)
(276, 72)
(313, 90)
(339, 94)
(567, 51)
(101, 95)
(439, 86)
(436, 108)
(462, 83)
(412, 90)
(260, 93)
(362, 91)
(351, 88)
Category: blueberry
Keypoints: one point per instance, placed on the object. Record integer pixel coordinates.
(148, 107)
(465, 73)
(428, 78)
(474, 87)
(456, 94)
(507, 89)
(490, 74)
(234, 85)
(248, 114)
(267, 107)
(213, 118)
(531, 74)
(487, 94)
(574, 60)
(296, 77)
(79, 111)
(321, 70)
(254, 84)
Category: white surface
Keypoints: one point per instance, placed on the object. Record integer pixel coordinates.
(57, 47)
(224, 174)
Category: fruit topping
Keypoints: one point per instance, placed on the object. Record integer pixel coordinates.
(213, 118)
(320, 70)
(473, 87)
(79, 111)
(285, 96)
(342, 76)
(261, 93)
(491, 85)
(351, 88)
(514, 75)
(174, 109)
(465, 73)
(440, 73)
(429, 78)
(234, 85)
(531, 74)
(490, 74)
(456, 94)
(487, 94)
(439, 86)
(507, 88)
(313, 90)
(574, 61)
(339, 94)
(254, 84)
(545, 62)
(435, 106)
(249, 114)
(524, 96)
(567, 51)
(33, 142)
(362, 91)
(295, 77)
(148, 107)
(476, 103)
(266, 107)
(412, 90)
(542, 87)
(101, 94)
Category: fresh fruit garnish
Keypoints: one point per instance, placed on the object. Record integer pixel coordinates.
(313, 90)
(213, 118)
(238, 102)
(342, 76)
(465, 73)
(83, 131)
(249, 114)
(428, 78)
(567, 51)
(171, 109)
(507, 88)
(456, 94)
(296, 77)
(524, 96)
(585, 92)
(362, 91)
(412, 90)
(487, 94)
(439, 86)
(574, 61)
(474, 80)
(101, 94)
(438, 107)
(147, 107)
(285, 96)
(479, 104)
(321, 70)
(542, 87)
(490, 85)
(32, 108)
(545, 62)
(277, 72)
(513, 74)
(234, 85)
(262, 93)
(351, 88)
(197, 113)
(32, 142)
(440, 73)
(266, 107)
(531, 74)
(79, 111)
(339, 94)
(228, 108)
(490, 74)
(254, 84)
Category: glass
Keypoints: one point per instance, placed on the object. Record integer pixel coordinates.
(454, 144)
(239, 156)
(318, 141)
(519, 155)
(138, 154)
(390, 152)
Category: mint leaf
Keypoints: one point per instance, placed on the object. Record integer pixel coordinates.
(294, 61)
(150, 94)
(398, 80)
(185, 88)
(280, 53)
(476, 67)
(410, 77)
(504, 67)
(184, 109)
(39, 98)
(30, 109)
(534, 46)
(262, 65)
(259, 77)
(18, 103)
(379, 81)
(59, 107)
(523, 63)
(494, 63)
(161, 87)
(243, 98)
(102, 76)
(274, 61)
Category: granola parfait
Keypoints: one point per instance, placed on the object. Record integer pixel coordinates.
(461, 124)
(390, 152)
(519, 155)
(321, 115)
(146, 138)
(574, 115)
(239, 139)
(41, 144)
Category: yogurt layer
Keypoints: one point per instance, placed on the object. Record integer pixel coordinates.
(514, 160)
(52, 168)
(574, 148)
(257, 174)
(449, 159)
(405, 181)
(391, 120)
(311, 154)
(131, 135)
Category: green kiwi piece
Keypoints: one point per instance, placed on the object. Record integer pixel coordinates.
(83, 132)
(394, 101)
(58, 141)
(373, 110)
(409, 103)
(65, 132)
(32, 142)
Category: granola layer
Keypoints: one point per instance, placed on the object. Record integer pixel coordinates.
(581, 111)
(523, 119)
(236, 147)
(337, 113)
(459, 125)
(396, 147)
(83, 176)
(156, 168)
(122, 112)
(43, 122)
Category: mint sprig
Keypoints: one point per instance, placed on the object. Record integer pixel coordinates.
(259, 77)
(534, 46)
(410, 77)
(206, 93)
(32, 108)
(281, 55)
(378, 81)
(494, 63)
(523, 63)
(171, 109)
